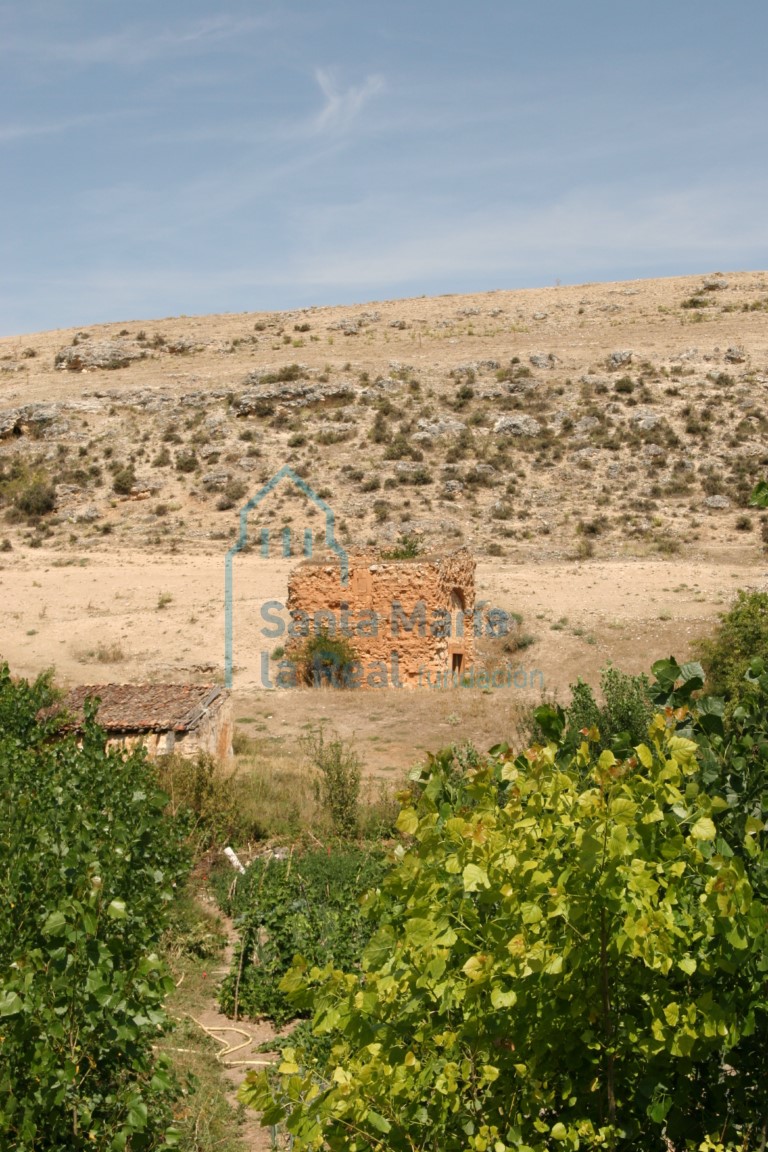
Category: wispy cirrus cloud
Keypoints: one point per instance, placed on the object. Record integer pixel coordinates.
(342, 105)
(20, 131)
(136, 43)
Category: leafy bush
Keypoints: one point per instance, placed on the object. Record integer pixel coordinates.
(88, 863)
(743, 634)
(307, 904)
(340, 771)
(204, 801)
(186, 461)
(38, 498)
(568, 954)
(283, 375)
(326, 659)
(408, 548)
(123, 481)
(619, 723)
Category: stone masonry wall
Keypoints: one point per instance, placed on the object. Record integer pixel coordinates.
(408, 621)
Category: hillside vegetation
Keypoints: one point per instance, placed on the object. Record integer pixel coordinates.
(600, 419)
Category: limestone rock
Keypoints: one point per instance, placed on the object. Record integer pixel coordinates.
(517, 425)
(293, 394)
(621, 357)
(216, 481)
(735, 355)
(645, 419)
(717, 502)
(108, 354)
(443, 426)
(586, 425)
(85, 515)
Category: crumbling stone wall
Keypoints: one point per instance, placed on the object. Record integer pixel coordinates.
(409, 622)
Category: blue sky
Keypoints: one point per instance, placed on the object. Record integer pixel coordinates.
(191, 157)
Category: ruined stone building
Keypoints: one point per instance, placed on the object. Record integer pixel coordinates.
(410, 622)
(165, 718)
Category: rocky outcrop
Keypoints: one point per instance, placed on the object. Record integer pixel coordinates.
(291, 394)
(517, 425)
(105, 354)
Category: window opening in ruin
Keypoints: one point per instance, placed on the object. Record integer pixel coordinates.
(457, 599)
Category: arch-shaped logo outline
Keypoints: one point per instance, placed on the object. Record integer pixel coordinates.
(286, 472)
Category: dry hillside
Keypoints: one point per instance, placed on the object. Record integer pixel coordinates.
(594, 444)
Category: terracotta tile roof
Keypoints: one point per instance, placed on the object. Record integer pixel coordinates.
(144, 707)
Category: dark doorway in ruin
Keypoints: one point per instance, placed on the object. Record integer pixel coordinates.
(457, 663)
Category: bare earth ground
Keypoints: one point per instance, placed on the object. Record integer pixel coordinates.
(101, 621)
(594, 445)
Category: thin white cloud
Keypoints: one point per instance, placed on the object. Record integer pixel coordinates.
(342, 107)
(138, 43)
(11, 133)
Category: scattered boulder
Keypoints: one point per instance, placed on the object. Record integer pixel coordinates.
(292, 394)
(443, 426)
(521, 385)
(620, 358)
(517, 425)
(10, 422)
(586, 425)
(735, 355)
(106, 354)
(714, 284)
(544, 360)
(717, 502)
(216, 481)
(645, 420)
(38, 419)
(86, 515)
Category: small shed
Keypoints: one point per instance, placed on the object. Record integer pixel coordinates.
(165, 718)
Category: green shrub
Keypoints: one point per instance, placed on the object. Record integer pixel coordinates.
(340, 771)
(88, 864)
(186, 461)
(623, 718)
(123, 481)
(284, 375)
(326, 659)
(233, 493)
(204, 800)
(565, 956)
(38, 498)
(742, 635)
(308, 905)
(407, 548)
